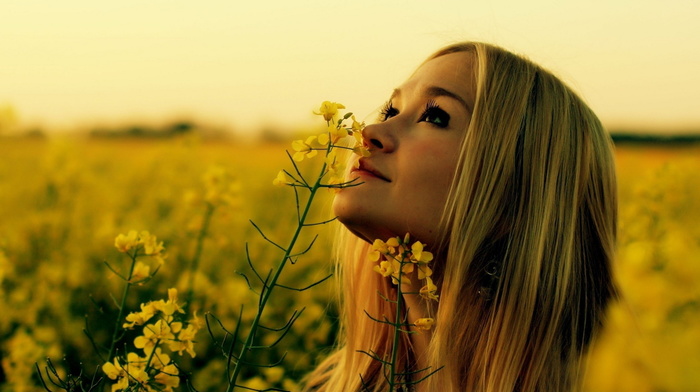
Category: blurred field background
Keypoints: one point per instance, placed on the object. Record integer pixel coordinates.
(63, 201)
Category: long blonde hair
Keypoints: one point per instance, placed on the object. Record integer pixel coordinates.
(529, 233)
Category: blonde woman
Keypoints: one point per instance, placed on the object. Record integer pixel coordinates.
(508, 177)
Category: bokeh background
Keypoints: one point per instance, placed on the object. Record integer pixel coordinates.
(123, 115)
(246, 65)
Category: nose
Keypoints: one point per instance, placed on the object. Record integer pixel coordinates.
(379, 137)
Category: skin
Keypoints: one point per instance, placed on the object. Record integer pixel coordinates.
(414, 154)
(413, 159)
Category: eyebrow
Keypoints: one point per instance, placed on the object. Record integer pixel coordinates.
(434, 91)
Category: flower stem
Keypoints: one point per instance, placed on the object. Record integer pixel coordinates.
(194, 264)
(267, 292)
(397, 329)
(117, 325)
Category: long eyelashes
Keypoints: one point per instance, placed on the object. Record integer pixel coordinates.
(432, 114)
(388, 111)
(435, 115)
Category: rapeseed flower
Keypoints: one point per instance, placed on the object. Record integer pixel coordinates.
(143, 240)
(396, 259)
(356, 126)
(141, 272)
(170, 306)
(125, 242)
(282, 179)
(185, 341)
(220, 188)
(304, 149)
(152, 335)
(424, 324)
(150, 246)
(168, 378)
(337, 132)
(418, 255)
(429, 290)
(424, 271)
(385, 268)
(335, 169)
(329, 110)
(139, 318)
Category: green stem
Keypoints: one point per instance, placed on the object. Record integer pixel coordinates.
(194, 265)
(117, 324)
(397, 329)
(245, 349)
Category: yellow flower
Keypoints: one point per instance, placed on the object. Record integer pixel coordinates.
(152, 334)
(141, 272)
(336, 169)
(196, 321)
(386, 248)
(114, 371)
(359, 147)
(424, 324)
(357, 127)
(392, 242)
(220, 187)
(323, 138)
(418, 255)
(139, 377)
(150, 246)
(159, 359)
(304, 149)
(135, 361)
(429, 290)
(171, 306)
(385, 268)
(337, 132)
(361, 151)
(424, 271)
(185, 341)
(168, 377)
(329, 110)
(124, 243)
(139, 318)
(281, 179)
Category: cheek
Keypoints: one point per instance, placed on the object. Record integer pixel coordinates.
(434, 170)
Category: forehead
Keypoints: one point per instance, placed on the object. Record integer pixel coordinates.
(453, 72)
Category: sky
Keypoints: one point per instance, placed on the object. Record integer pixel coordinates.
(246, 65)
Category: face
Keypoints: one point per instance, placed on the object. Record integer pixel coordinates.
(414, 151)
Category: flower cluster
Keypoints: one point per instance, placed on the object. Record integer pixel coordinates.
(328, 141)
(154, 371)
(220, 189)
(396, 259)
(143, 243)
(151, 373)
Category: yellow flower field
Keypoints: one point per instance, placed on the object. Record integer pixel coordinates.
(64, 202)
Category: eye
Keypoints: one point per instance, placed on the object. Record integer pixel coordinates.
(388, 111)
(435, 115)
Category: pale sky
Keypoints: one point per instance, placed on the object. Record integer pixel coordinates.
(246, 64)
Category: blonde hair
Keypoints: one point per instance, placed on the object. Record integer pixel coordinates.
(528, 240)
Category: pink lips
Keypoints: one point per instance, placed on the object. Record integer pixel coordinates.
(365, 168)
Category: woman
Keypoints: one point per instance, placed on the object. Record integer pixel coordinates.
(509, 178)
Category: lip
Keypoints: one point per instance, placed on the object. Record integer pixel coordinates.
(365, 168)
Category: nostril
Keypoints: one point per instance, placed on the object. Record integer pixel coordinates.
(376, 143)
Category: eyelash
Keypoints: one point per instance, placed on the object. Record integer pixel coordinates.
(388, 111)
(432, 110)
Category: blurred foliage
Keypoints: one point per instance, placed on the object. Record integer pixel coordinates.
(63, 202)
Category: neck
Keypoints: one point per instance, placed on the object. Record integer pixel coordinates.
(418, 308)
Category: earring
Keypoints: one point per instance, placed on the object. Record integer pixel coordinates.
(489, 282)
